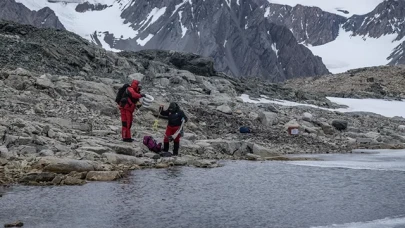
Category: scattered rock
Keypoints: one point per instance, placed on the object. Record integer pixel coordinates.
(268, 118)
(46, 152)
(65, 165)
(98, 150)
(253, 157)
(162, 165)
(72, 181)
(327, 129)
(253, 115)
(401, 127)
(263, 151)
(38, 177)
(126, 159)
(340, 125)
(205, 163)
(4, 153)
(58, 179)
(102, 175)
(224, 109)
(152, 155)
(180, 161)
(307, 116)
(14, 224)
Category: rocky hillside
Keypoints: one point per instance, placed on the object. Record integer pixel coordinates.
(59, 123)
(373, 82)
(17, 12)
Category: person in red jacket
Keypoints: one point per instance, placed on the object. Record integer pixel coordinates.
(175, 116)
(127, 107)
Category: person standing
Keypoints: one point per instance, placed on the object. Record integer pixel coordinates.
(127, 98)
(175, 118)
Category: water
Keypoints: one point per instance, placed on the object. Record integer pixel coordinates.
(240, 194)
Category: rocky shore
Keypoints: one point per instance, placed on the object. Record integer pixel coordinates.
(59, 124)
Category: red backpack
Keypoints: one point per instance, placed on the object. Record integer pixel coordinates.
(151, 143)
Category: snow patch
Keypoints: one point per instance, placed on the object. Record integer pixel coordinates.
(385, 223)
(392, 160)
(178, 6)
(349, 52)
(142, 42)
(358, 7)
(85, 24)
(381, 107)
(105, 45)
(267, 12)
(153, 16)
(274, 47)
(183, 28)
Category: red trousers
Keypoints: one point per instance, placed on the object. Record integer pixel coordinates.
(126, 118)
(170, 130)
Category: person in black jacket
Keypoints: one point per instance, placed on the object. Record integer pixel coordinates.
(175, 116)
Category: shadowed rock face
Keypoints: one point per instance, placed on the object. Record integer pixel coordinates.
(308, 24)
(386, 18)
(44, 18)
(84, 7)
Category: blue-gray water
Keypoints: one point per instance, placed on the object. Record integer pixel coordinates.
(240, 194)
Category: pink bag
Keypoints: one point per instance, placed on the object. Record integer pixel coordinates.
(151, 143)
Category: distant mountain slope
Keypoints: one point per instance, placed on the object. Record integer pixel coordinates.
(247, 37)
(43, 18)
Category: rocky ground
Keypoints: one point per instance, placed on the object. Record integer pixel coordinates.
(59, 124)
(372, 82)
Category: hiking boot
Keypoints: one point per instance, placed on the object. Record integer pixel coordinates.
(128, 140)
(176, 148)
(165, 147)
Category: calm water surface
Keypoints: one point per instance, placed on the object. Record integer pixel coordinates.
(240, 194)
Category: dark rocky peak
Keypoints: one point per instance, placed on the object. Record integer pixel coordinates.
(308, 24)
(86, 6)
(17, 12)
(387, 18)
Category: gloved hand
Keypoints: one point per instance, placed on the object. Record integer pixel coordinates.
(143, 95)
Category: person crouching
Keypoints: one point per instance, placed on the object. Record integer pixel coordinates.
(175, 116)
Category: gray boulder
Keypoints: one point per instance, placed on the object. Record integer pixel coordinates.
(340, 125)
(268, 118)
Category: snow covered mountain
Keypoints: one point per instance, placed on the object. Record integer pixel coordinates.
(265, 38)
(367, 33)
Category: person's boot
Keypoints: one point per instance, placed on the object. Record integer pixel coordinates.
(176, 148)
(166, 147)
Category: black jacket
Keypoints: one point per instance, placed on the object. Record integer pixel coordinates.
(174, 117)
